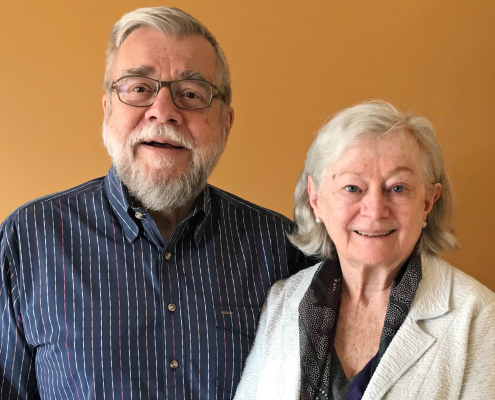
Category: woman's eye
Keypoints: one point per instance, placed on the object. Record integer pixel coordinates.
(351, 188)
(397, 189)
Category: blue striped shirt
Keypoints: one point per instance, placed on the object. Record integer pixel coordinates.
(94, 305)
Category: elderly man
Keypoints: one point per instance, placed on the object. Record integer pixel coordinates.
(147, 283)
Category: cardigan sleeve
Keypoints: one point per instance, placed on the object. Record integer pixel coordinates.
(479, 373)
(255, 363)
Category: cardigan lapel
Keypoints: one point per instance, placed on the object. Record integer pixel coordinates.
(289, 357)
(411, 342)
(408, 345)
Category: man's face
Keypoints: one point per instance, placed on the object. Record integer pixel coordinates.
(162, 143)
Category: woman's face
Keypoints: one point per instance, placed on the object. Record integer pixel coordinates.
(373, 201)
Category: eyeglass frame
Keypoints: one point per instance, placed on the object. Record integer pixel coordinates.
(168, 84)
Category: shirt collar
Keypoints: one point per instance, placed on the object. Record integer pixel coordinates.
(200, 214)
(121, 203)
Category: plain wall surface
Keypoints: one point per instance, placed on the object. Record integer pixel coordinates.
(293, 65)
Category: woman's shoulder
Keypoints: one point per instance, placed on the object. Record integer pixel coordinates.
(295, 284)
(464, 289)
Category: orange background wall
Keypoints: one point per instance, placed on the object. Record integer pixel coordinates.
(294, 64)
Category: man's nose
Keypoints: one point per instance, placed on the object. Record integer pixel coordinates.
(375, 204)
(164, 109)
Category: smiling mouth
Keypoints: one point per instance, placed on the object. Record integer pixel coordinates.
(162, 145)
(374, 234)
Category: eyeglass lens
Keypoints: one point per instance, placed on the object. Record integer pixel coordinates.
(138, 91)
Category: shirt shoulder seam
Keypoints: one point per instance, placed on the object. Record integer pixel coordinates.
(241, 203)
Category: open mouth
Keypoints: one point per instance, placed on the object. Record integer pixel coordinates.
(162, 145)
(375, 234)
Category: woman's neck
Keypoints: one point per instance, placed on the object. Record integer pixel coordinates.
(365, 283)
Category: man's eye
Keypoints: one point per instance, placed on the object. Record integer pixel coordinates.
(397, 189)
(135, 88)
(189, 94)
(351, 188)
(139, 89)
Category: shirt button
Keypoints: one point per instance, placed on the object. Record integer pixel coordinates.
(168, 256)
(172, 307)
(174, 364)
(139, 215)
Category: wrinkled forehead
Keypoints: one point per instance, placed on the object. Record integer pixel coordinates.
(396, 152)
(161, 56)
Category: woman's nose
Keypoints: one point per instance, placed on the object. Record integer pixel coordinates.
(375, 204)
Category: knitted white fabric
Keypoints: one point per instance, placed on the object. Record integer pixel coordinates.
(444, 350)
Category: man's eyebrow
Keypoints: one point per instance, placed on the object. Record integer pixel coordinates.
(192, 74)
(141, 70)
(147, 71)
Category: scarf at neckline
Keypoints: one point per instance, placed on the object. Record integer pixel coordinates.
(318, 313)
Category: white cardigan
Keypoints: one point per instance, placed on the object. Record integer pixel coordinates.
(445, 349)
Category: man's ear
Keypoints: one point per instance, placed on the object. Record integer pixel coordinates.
(228, 121)
(313, 196)
(105, 102)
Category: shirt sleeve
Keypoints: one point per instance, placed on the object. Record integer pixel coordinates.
(479, 373)
(17, 369)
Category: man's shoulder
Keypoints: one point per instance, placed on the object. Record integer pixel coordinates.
(237, 202)
(85, 188)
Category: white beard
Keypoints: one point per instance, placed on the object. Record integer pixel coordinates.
(155, 186)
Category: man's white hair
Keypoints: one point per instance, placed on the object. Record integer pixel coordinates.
(369, 121)
(172, 22)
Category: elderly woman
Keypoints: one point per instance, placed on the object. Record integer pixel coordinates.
(382, 317)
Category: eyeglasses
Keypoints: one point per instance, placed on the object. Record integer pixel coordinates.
(189, 94)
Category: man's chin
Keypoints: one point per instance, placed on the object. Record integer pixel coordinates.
(159, 176)
(158, 189)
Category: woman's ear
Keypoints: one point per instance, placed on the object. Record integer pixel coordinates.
(432, 198)
(313, 196)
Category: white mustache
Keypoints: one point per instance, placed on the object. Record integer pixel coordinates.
(165, 132)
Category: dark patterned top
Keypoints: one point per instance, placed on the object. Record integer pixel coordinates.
(318, 314)
(339, 383)
(94, 304)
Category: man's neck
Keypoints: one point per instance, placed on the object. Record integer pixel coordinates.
(167, 220)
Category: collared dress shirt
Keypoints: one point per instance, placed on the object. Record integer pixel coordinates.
(95, 305)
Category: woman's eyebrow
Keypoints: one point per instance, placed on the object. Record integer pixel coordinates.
(400, 168)
(346, 173)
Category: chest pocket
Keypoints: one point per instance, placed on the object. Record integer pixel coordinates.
(235, 330)
(238, 319)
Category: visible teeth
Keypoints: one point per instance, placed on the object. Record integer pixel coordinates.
(375, 234)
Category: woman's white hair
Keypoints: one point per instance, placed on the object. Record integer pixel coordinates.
(172, 22)
(349, 127)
